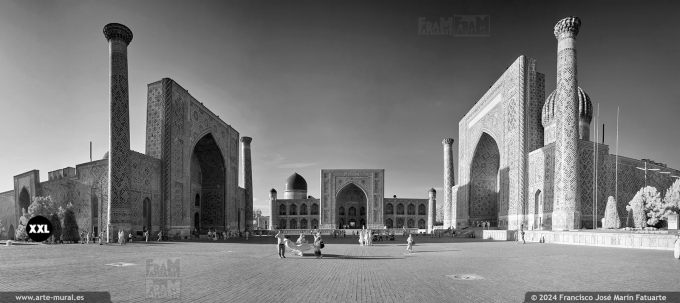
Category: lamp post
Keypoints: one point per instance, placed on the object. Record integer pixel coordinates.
(646, 169)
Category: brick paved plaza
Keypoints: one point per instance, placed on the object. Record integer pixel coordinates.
(252, 272)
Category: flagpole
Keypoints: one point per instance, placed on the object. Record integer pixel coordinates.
(616, 186)
(594, 175)
(597, 165)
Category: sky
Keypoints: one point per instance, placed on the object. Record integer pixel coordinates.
(324, 84)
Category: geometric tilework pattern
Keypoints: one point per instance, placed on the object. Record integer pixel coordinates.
(119, 145)
(566, 143)
(484, 181)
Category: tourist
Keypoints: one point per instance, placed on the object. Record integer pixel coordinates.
(87, 238)
(121, 237)
(146, 235)
(521, 232)
(318, 245)
(160, 236)
(130, 236)
(409, 243)
(280, 239)
(101, 238)
(247, 234)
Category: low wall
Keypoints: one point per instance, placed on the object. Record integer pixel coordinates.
(493, 234)
(604, 239)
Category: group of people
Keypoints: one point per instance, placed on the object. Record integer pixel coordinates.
(483, 224)
(365, 237)
(300, 245)
(215, 235)
(123, 240)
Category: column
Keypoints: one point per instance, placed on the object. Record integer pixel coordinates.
(431, 210)
(273, 216)
(119, 37)
(448, 182)
(566, 214)
(246, 168)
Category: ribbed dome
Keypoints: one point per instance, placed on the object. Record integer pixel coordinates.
(296, 182)
(585, 108)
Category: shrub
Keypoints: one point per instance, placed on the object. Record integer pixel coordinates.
(672, 199)
(20, 233)
(56, 227)
(637, 207)
(70, 231)
(611, 215)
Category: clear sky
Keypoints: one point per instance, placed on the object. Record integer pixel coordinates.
(323, 84)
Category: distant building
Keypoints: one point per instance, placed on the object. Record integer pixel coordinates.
(350, 199)
(260, 222)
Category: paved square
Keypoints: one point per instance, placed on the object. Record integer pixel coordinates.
(250, 271)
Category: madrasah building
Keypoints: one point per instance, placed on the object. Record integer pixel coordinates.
(527, 159)
(187, 179)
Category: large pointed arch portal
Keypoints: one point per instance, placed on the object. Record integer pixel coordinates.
(484, 185)
(351, 204)
(208, 182)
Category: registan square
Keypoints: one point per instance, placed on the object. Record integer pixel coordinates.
(339, 151)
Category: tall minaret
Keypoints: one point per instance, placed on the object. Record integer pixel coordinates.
(566, 214)
(247, 169)
(448, 182)
(431, 210)
(273, 216)
(119, 37)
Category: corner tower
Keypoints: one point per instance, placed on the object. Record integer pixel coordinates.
(119, 37)
(566, 214)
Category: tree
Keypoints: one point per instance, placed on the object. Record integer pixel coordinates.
(647, 207)
(654, 207)
(56, 227)
(672, 199)
(70, 231)
(42, 206)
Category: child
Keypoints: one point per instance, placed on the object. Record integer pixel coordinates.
(409, 241)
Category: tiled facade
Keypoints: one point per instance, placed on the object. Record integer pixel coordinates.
(527, 160)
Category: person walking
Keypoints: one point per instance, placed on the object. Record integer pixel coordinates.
(409, 243)
(280, 240)
(160, 236)
(146, 236)
(521, 232)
